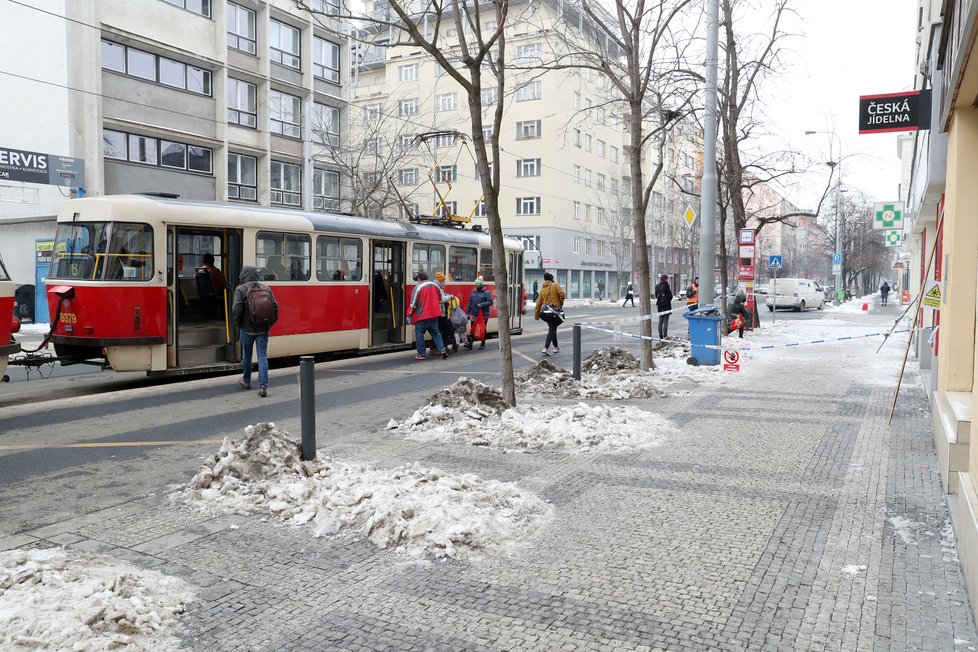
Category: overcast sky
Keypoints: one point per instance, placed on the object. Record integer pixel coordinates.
(844, 49)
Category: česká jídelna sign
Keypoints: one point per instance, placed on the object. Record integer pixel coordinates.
(35, 167)
(906, 111)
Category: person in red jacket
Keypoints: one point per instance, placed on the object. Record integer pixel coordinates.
(426, 306)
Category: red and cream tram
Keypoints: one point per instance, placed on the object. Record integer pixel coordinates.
(9, 324)
(127, 288)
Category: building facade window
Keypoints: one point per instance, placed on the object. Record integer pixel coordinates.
(577, 173)
(528, 54)
(614, 154)
(587, 142)
(601, 148)
(601, 220)
(153, 151)
(528, 130)
(587, 246)
(151, 67)
(527, 205)
(326, 6)
(577, 138)
(326, 124)
(202, 7)
(577, 100)
(325, 190)
(286, 184)
(577, 245)
(408, 177)
(444, 140)
(446, 102)
(587, 177)
(407, 73)
(284, 114)
(587, 212)
(325, 60)
(372, 112)
(490, 96)
(529, 91)
(283, 44)
(242, 103)
(406, 143)
(480, 209)
(242, 177)
(447, 173)
(601, 181)
(241, 29)
(408, 107)
(446, 209)
(528, 167)
(576, 209)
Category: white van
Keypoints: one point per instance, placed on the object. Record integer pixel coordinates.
(795, 293)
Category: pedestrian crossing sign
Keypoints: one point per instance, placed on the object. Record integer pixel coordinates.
(774, 262)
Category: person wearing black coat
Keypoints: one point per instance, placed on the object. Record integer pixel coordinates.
(663, 303)
(740, 309)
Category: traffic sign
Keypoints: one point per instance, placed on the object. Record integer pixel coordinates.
(932, 294)
(747, 236)
(837, 258)
(689, 215)
(730, 359)
(774, 262)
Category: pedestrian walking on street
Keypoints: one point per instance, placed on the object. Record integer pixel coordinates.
(444, 319)
(663, 304)
(600, 291)
(536, 290)
(426, 306)
(255, 311)
(550, 308)
(884, 291)
(693, 294)
(629, 296)
(478, 308)
(739, 314)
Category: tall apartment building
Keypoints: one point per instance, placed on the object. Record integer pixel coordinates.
(205, 99)
(563, 160)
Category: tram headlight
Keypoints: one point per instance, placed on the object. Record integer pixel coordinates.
(14, 325)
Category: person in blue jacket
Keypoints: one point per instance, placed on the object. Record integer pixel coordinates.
(479, 302)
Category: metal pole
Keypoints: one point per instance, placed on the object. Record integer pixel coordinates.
(774, 292)
(307, 405)
(838, 225)
(708, 191)
(576, 346)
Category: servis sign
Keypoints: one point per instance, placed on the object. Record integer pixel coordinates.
(907, 111)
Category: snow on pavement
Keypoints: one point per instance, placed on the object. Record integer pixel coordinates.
(411, 509)
(59, 599)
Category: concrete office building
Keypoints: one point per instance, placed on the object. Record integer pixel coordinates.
(205, 99)
(564, 164)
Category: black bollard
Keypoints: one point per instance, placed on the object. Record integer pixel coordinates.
(577, 351)
(307, 405)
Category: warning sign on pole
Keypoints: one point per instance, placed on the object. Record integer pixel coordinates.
(932, 295)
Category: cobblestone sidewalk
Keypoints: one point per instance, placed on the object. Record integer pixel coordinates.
(787, 516)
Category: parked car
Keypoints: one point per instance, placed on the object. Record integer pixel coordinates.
(795, 293)
(760, 293)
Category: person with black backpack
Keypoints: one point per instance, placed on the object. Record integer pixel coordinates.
(255, 311)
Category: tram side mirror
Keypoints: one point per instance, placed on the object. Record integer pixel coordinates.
(64, 291)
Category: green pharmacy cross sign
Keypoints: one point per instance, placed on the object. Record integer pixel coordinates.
(893, 238)
(888, 215)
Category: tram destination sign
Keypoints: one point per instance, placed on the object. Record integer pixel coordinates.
(35, 167)
(906, 111)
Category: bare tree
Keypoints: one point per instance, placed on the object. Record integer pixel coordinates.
(638, 51)
(476, 53)
(371, 164)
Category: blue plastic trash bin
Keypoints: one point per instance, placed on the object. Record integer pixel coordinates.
(704, 331)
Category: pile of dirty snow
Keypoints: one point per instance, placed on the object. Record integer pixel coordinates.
(609, 373)
(57, 599)
(411, 509)
(576, 429)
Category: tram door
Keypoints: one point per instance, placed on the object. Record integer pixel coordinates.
(387, 288)
(200, 331)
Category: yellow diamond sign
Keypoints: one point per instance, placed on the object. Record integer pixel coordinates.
(689, 215)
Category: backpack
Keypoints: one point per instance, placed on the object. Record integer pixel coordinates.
(261, 308)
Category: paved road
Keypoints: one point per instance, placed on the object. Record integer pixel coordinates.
(819, 529)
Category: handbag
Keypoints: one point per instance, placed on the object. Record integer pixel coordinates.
(737, 322)
(554, 311)
(479, 328)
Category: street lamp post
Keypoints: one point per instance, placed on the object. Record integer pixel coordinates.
(839, 291)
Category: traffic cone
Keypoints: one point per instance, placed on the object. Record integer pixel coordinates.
(865, 306)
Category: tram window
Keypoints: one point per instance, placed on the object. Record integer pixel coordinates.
(463, 263)
(73, 257)
(339, 259)
(485, 265)
(130, 252)
(193, 246)
(283, 256)
(427, 257)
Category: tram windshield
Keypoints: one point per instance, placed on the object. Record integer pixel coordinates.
(107, 251)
